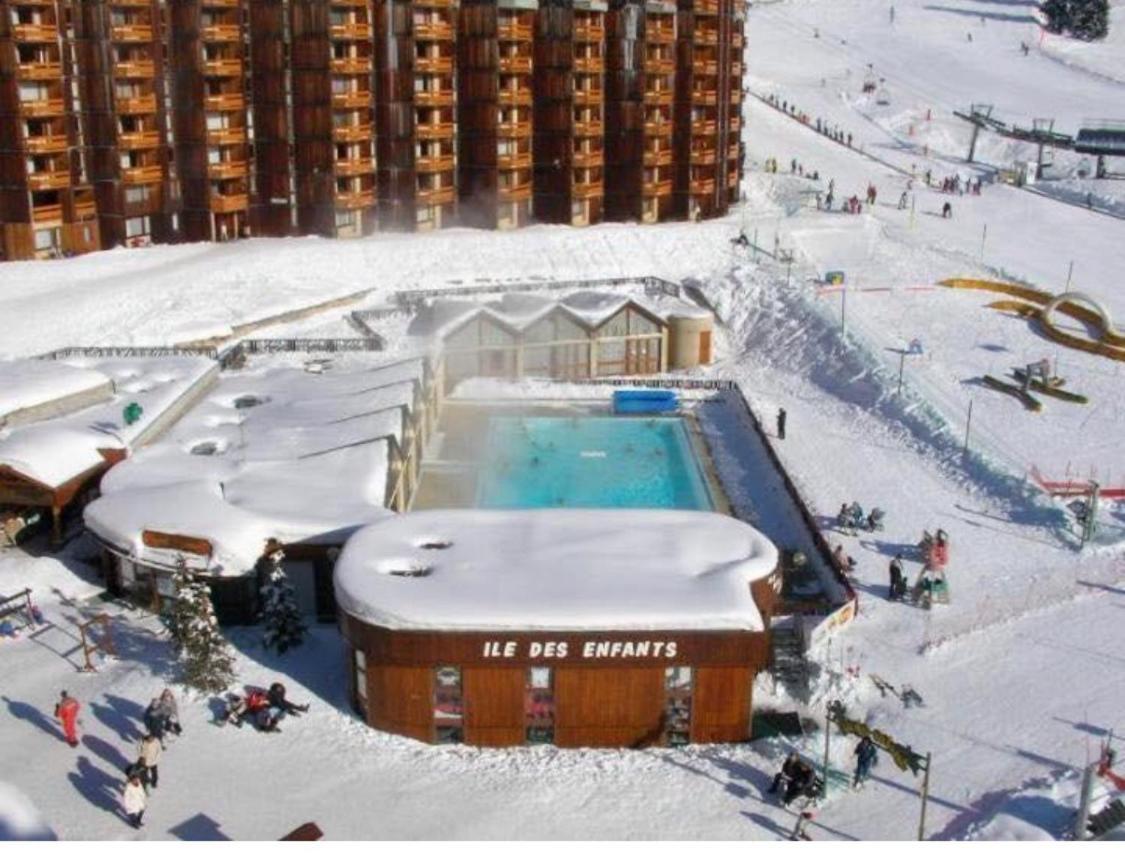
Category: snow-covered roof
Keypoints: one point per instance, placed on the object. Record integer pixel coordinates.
(274, 451)
(30, 382)
(56, 450)
(555, 569)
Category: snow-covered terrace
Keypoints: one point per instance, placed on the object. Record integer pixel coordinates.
(290, 448)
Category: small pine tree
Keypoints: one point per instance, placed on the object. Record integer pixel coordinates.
(1056, 15)
(206, 661)
(1089, 19)
(280, 614)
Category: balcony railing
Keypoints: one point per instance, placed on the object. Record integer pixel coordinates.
(703, 157)
(359, 132)
(434, 130)
(657, 188)
(517, 193)
(42, 107)
(705, 36)
(225, 102)
(350, 168)
(350, 201)
(588, 97)
(704, 127)
(658, 97)
(46, 144)
(736, 40)
(433, 98)
(513, 129)
(40, 71)
(588, 190)
(732, 178)
(142, 175)
(703, 187)
(440, 196)
(131, 33)
(705, 67)
(704, 97)
(85, 208)
(226, 171)
(351, 99)
(706, 7)
(736, 95)
(735, 123)
(585, 128)
(139, 140)
(660, 34)
(658, 127)
(589, 31)
(508, 162)
(134, 69)
(351, 65)
(589, 64)
(587, 159)
(50, 180)
(517, 64)
(660, 66)
(228, 204)
(233, 135)
(47, 214)
(658, 158)
(514, 31)
(35, 33)
(357, 31)
(227, 67)
(436, 31)
(520, 96)
(221, 33)
(429, 165)
(433, 64)
(434, 4)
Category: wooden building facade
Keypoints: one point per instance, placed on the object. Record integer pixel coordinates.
(128, 122)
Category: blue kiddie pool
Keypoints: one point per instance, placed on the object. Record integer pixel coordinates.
(646, 402)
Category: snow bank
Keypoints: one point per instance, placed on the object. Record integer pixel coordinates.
(19, 820)
(555, 569)
(32, 382)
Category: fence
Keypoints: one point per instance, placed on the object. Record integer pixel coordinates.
(408, 300)
(128, 352)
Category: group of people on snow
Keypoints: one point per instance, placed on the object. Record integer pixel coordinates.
(852, 518)
(796, 779)
(263, 708)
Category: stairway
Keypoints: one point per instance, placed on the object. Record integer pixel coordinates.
(787, 662)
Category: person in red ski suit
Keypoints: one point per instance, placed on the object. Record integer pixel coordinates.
(67, 713)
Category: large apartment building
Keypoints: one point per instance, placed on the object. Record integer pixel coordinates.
(130, 122)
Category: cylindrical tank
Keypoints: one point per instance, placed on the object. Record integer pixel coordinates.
(689, 339)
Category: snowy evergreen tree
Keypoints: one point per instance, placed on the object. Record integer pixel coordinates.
(206, 662)
(1089, 19)
(280, 614)
(1056, 15)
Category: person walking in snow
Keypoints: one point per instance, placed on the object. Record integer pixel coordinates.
(781, 417)
(170, 712)
(866, 757)
(154, 720)
(66, 711)
(902, 201)
(134, 801)
(149, 754)
(947, 211)
(898, 580)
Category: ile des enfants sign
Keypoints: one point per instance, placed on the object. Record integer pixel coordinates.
(517, 649)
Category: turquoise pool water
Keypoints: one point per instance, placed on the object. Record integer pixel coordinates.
(551, 462)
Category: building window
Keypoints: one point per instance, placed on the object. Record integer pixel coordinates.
(677, 705)
(361, 681)
(539, 705)
(448, 707)
(46, 239)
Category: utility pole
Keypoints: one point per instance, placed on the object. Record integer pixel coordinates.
(968, 424)
(925, 798)
(901, 364)
(1069, 274)
(983, 236)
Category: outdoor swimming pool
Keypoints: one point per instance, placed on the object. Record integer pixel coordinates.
(544, 462)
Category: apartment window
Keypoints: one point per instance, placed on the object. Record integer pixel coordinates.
(677, 705)
(137, 227)
(539, 706)
(46, 239)
(448, 705)
(136, 195)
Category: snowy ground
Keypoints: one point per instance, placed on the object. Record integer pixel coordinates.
(1021, 674)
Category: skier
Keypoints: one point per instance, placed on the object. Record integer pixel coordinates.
(133, 801)
(849, 139)
(66, 711)
(902, 201)
(149, 755)
(828, 200)
(898, 581)
(793, 166)
(278, 700)
(170, 712)
(866, 757)
(947, 211)
(781, 417)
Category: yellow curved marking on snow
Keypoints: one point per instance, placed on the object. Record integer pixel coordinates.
(1074, 304)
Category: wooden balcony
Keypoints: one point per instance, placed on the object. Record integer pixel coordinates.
(433, 130)
(229, 204)
(735, 123)
(589, 31)
(141, 140)
(433, 64)
(736, 40)
(434, 4)
(134, 69)
(518, 64)
(35, 32)
(703, 157)
(705, 36)
(351, 201)
(657, 188)
(736, 96)
(43, 107)
(46, 214)
(704, 127)
(357, 31)
(659, 97)
(517, 193)
(587, 159)
(351, 65)
(658, 127)
(359, 132)
(706, 7)
(219, 4)
(433, 98)
(589, 64)
(348, 4)
(85, 209)
(225, 102)
(705, 67)
(514, 31)
(142, 175)
(46, 144)
(440, 196)
(351, 168)
(732, 151)
(227, 67)
(234, 135)
(518, 97)
(430, 165)
(514, 129)
(660, 33)
(704, 97)
(227, 171)
(433, 31)
(736, 69)
(49, 180)
(507, 162)
(703, 187)
(131, 33)
(658, 158)
(587, 128)
(660, 66)
(39, 71)
(221, 33)
(589, 190)
(590, 96)
(352, 99)
(732, 178)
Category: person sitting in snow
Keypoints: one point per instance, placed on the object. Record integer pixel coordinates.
(278, 700)
(845, 563)
(796, 776)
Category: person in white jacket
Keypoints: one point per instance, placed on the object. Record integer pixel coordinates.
(133, 801)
